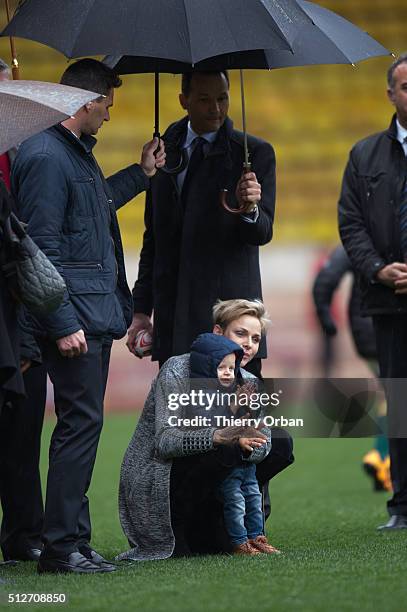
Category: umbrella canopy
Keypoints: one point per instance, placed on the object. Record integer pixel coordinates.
(28, 107)
(327, 38)
(183, 30)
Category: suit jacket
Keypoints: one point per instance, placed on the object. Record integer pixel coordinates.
(194, 252)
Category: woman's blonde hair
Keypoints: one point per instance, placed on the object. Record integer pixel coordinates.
(226, 311)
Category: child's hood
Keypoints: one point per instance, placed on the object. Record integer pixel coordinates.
(208, 350)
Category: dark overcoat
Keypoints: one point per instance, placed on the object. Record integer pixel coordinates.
(369, 223)
(194, 252)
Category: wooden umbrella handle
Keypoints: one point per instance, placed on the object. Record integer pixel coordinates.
(245, 208)
(14, 61)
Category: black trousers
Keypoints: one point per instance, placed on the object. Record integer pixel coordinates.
(79, 389)
(196, 511)
(391, 339)
(20, 482)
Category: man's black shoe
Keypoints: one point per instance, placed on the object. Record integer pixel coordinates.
(97, 559)
(11, 562)
(397, 521)
(75, 563)
(27, 554)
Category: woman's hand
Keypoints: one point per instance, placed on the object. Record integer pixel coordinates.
(231, 435)
(249, 444)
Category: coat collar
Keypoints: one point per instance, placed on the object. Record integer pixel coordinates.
(392, 129)
(86, 143)
(174, 138)
(175, 135)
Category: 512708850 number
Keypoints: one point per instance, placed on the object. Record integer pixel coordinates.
(54, 598)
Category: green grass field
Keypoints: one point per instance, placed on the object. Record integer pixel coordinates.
(324, 518)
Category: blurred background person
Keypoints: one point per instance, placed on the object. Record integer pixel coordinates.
(376, 462)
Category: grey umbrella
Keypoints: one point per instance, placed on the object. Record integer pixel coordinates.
(28, 107)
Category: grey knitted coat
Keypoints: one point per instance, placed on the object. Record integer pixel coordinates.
(144, 491)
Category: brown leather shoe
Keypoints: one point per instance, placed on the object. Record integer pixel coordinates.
(261, 545)
(246, 549)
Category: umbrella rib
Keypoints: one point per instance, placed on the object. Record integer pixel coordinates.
(80, 29)
(320, 27)
(189, 36)
(347, 58)
(278, 31)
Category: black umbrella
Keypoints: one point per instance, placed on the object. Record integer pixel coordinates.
(178, 35)
(184, 30)
(327, 38)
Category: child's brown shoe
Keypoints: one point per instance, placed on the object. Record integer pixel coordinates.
(261, 545)
(246, 549)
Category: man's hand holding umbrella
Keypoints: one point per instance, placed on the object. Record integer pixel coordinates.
(152, 157)
(248, 192)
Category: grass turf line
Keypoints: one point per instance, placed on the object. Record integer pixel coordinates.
(324, 518)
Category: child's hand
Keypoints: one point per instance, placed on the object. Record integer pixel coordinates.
(249, 444)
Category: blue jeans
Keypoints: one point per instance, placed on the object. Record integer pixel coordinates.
(242, 504)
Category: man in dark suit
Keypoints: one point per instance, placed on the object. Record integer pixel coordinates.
(194, 251)
(373, 228)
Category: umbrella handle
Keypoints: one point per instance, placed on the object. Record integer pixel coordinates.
(15, 70)
(245, 208)
(14, 61)
(156, 134)
(181, 166)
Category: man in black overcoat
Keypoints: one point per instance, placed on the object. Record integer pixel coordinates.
(194, 251)
(373, 226)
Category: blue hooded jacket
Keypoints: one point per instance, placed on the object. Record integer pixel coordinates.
(208, 350)
(206, 353)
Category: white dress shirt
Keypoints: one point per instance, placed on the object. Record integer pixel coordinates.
(402, 136)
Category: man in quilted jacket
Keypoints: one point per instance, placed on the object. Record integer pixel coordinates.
(70, 209)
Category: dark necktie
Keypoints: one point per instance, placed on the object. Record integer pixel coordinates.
(403, 221)
(195, 160)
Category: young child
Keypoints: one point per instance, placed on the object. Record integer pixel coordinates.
(217, 358)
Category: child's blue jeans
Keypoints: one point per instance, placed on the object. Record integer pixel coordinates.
(242, 504)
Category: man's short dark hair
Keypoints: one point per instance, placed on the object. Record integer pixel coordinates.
(390, 73)
(4, 67)
(92, 75)
(187, 78)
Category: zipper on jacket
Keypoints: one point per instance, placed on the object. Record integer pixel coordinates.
(82, 265)
(115, 260)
